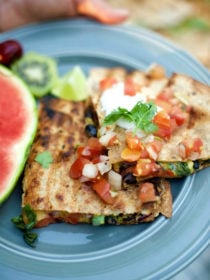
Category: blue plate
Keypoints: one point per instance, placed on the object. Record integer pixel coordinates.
(157, 250)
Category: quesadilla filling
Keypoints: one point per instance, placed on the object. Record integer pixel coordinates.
(159, 201)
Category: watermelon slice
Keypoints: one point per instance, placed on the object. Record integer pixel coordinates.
(18, 123)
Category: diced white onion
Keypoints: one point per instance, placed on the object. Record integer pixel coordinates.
(104, 129)
(182, 150)
(103, 158)
(90, 170)
(145, 211)
(84, 179)
(115, 180)
(104, 166)
(149, 138)
(113, 193)
(104, 139)
(152, 153)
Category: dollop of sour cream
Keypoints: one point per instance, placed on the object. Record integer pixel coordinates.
(114, 97)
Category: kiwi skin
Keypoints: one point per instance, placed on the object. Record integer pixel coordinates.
(39, 72)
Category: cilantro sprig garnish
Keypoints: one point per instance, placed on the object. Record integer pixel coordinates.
(141, 115)
(25, 222)
(44, 159)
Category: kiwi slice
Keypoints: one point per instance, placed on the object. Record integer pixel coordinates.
(39, 72)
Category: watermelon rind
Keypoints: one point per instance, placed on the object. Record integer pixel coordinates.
(22, 146)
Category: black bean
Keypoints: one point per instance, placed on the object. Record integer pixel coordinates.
(142, 217)
(90, 113)
(91, 130)
(110, 220)
(125, 165)
(128, 218)
(129, 178)
(196, 164)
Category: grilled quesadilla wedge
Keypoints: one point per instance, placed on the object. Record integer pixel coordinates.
(153, 126)
(55, 196)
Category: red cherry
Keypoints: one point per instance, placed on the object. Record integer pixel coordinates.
(10, 50)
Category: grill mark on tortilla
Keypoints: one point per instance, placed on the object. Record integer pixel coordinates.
(196, 115)
(59, 196)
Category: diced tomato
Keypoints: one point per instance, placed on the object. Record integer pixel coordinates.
(162, 120)
(112, 141)
(198, 145)
(163, 132)
(165, 105)
(102, 188)
(80, 150)
(96, 159)
(84, 152)
(166, 95)
(130, 155)
(146, 167)
(153, 148)
(92, 151)
(178, 115)
(165, 173)
(77, 167)
(144, 153)
(130, 88)
(133, 142)
(190, 146)
(94, 143)
(88, 153)
(147, 192)
(173, 125)
(73, 218)
(107, 83)
(45, 222)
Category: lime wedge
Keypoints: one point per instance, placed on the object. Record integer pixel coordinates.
(73, 86)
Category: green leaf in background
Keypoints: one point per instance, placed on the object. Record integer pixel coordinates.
(193, 23)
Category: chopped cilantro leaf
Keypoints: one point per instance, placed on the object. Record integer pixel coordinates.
(141, 115)
(30, 238)
(25, 222)
(44, 159)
